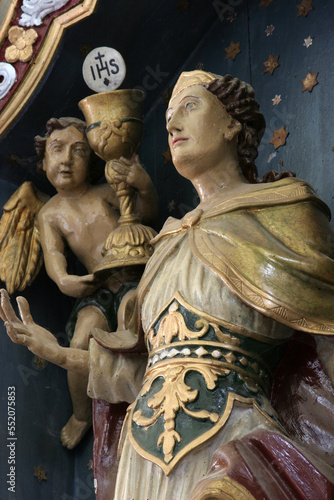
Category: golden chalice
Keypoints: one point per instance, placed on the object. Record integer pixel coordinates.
(114, 128)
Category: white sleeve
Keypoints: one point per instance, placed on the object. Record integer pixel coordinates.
(114, 377)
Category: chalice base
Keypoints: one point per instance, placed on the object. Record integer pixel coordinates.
(127, 245)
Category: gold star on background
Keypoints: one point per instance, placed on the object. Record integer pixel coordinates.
(308, 42)
(39, 362)
(304, 8)
(85, 49)
(40, 473)
(270, 30)
(14, 160)
(277, 99)
(271, 64)
(232, 17)
(167, 155)
(279, 137)
(171, 206)
(265, 3)
(232, 50)
(183, 5)
(310, 81)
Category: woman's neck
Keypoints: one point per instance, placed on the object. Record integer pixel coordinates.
(224, 177)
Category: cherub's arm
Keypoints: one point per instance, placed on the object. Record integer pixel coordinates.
(132, 172)
(39, 340)
(56, 265)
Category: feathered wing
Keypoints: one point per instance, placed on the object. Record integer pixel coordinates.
(20, 249)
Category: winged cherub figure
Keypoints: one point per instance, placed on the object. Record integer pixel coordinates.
(80, 216)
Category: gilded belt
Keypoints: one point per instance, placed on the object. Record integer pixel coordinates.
(196, 369)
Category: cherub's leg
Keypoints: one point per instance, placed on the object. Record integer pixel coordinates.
(89, 317)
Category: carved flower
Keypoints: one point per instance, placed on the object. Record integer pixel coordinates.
(22, 42)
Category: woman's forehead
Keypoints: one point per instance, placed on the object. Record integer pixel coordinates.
(195, 90)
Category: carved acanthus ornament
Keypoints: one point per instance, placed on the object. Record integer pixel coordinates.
(8, 74)
(173, 325)
(16, 91)
(34, 11)
(172, 398)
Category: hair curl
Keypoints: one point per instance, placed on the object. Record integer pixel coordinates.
(238, 98)
(95, 169)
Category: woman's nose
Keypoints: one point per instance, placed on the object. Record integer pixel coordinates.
(174, 123)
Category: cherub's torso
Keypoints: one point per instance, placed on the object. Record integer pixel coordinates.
(84, 223)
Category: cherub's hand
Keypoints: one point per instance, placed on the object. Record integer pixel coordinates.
(37, 339)
(131, 172)
(78, 286)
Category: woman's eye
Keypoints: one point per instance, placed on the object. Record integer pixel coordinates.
(190, 106)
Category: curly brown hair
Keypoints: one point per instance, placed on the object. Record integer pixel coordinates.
(238, 98)
(95, 169)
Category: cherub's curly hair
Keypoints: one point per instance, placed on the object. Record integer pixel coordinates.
(95, 170)
(238, 99)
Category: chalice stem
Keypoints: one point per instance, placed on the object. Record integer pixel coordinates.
(126, 196)
(126, 205)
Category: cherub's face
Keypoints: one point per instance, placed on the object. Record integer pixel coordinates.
(66, 160)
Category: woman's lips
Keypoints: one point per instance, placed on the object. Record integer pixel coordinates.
(178, 140)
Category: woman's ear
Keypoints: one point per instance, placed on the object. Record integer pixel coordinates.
(233, 130)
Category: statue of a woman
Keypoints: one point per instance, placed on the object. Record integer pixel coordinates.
(224, 291)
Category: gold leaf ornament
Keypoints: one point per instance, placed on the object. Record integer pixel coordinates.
(22, 44)
(20, 248)
(167, 439)
(171, 399)
(173, 325)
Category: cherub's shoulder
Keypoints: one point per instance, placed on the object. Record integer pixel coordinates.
(49, 211)
(103, 188)
(106, 193)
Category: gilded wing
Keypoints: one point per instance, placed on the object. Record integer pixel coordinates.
(20, 249)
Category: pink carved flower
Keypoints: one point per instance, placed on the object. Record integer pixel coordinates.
(22, 42)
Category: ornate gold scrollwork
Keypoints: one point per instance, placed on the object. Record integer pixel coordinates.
(173, 393)
(217, 489)
(173, 397)
(173, 325)
(44, 56)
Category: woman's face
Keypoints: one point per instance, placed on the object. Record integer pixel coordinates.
(199, 129)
